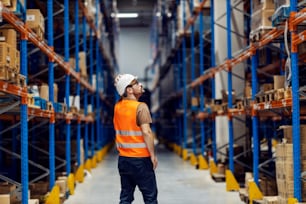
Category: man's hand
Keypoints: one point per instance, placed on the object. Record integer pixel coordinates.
(154, 162)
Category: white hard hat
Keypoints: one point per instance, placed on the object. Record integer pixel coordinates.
(122, 81)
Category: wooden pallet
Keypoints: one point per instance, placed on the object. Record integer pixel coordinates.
(218, 177)
(279, 94)
(256, 35)
(243, 194)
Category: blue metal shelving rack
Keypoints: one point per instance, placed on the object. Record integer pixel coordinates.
(24, 121)
(47, 49)
(51, 94)
(295, 114)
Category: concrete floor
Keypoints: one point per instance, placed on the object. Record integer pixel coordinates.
(178, 183)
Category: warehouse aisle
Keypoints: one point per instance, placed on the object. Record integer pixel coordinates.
(178, 183)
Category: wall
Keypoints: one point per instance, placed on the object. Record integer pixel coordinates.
(134, 50)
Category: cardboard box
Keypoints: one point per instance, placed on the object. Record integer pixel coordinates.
(196, 3)
(33, 201)
(7, 3)
(44, 91)
(287, 132)
(6, 188)
(62, 184)
(194, 101)
(262, 19)
(262, 4)
(247, 91)
(35, 19)
(72, 62)
(39, 188)
(12, 4)
(266, 87)
(4, 198)
(13, 58)
(5, 57)
(9, 36)
(82, 64)
(279, 81)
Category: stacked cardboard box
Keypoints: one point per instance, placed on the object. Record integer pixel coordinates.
(10, 56)
(284, 163)
(262, 11)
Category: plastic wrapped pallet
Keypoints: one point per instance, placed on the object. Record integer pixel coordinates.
(262, 19)
(262, 5)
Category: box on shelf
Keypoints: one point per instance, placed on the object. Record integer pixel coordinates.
(196, 3)
(82, 64)
(62, 184)
(262, 4)
(9, 36)
(5, 56)
(44, 91)
(12, 4)
(13, 58)
(72, 62)
(7, 3)
(279, 81)
(248, 90)
(180, 17)
(5, 199)
(33, 201)
(35, 21)
(266, 87)
(262, 19)
(194, 101)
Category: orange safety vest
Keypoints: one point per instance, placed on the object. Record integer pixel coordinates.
(129, 138)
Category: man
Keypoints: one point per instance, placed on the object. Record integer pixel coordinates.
(135, 142)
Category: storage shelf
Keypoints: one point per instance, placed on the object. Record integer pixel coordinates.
(27, 33)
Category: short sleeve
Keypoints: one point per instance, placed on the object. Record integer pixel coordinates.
(143, 114)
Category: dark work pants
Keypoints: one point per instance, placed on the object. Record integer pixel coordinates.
(137, 172)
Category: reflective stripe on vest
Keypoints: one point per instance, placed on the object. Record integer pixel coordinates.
(128, 133)
(131, 145)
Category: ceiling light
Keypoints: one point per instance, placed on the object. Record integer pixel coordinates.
(127, 15)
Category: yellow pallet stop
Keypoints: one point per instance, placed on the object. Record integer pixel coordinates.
(231, 182)
(99, 156)
(254, 192)
(88, 164)
(79, 176)
(54, 196)
(185, 154)
(71, 181)
(175, 148)
(292, 201)
(212, 167)
(193, 159)
(202, 162)
(93, 162)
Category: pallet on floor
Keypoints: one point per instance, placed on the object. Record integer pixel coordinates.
(218, 177)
